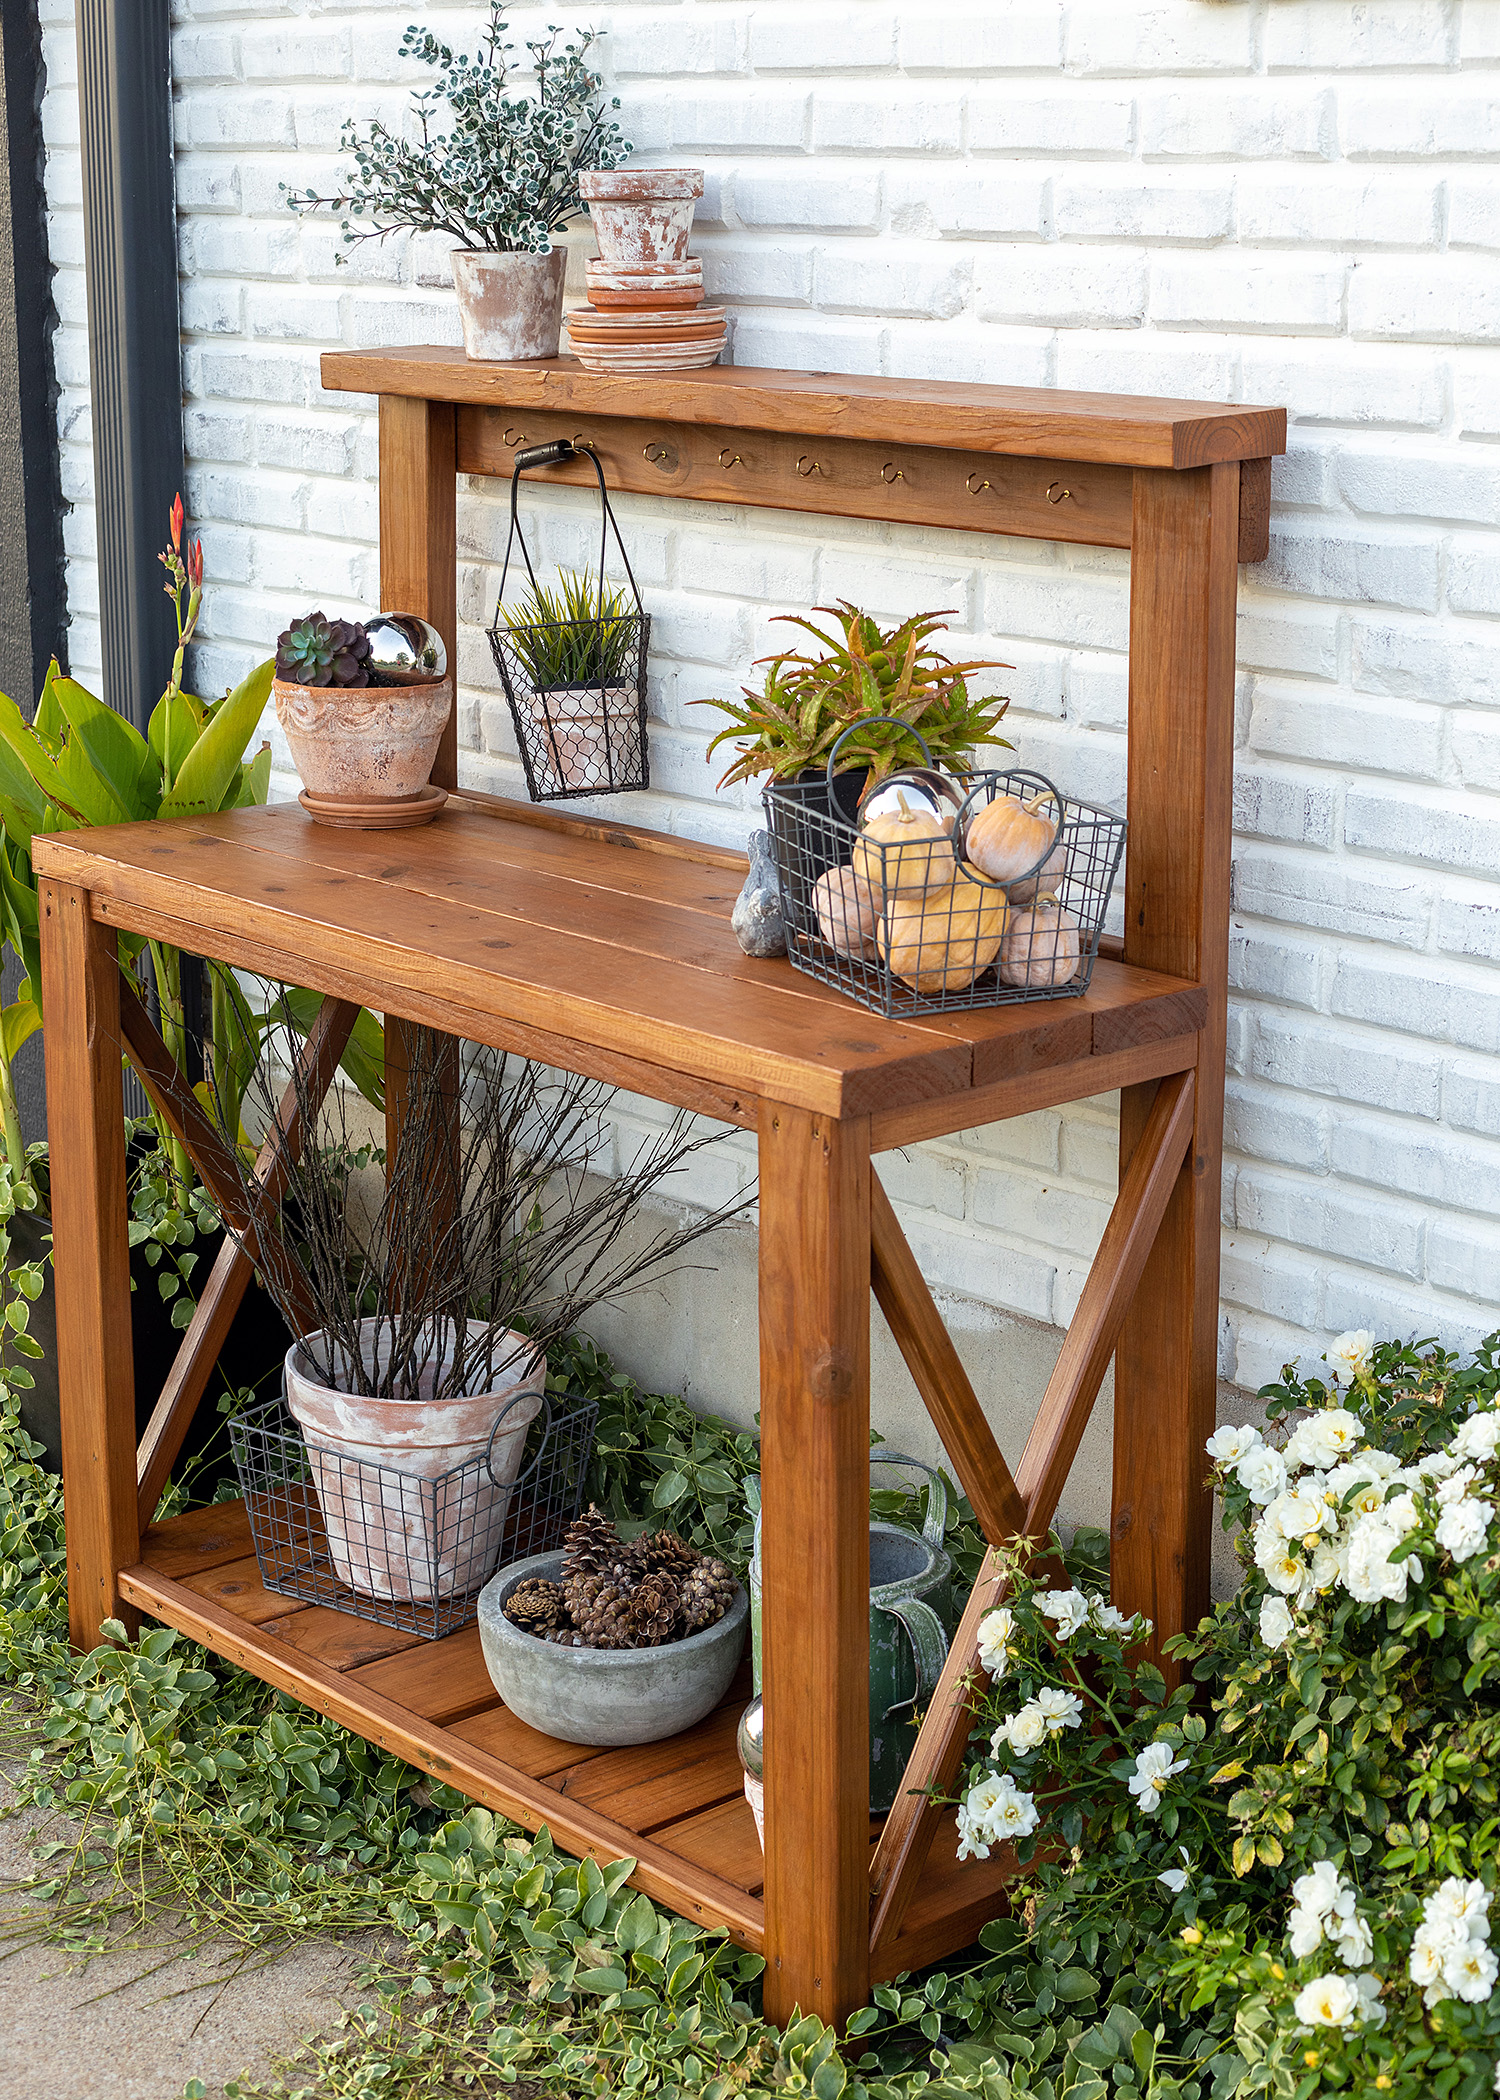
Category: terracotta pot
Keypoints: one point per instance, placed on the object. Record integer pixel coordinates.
(403, 1521)
(581, 729)
(510, 305)
(643, 215)
(367, 743)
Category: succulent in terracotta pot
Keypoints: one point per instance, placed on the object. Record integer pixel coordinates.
(364, 747)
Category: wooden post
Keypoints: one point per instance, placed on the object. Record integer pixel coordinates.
(815, 1550)
(418, 553)
(96, 1381)
(1182, 599)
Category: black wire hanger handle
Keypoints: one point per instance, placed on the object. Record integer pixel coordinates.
(553, 454)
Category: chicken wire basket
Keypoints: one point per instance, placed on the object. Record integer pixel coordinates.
(918, 927)
(397, 1548)
(576, 688)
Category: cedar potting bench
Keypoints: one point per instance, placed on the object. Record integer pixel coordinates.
(608, 951)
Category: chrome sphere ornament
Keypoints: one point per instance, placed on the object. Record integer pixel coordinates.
(921, 788)
(750, 1738)
(405, 649)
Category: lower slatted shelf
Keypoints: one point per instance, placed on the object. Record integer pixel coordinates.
(677, 1806)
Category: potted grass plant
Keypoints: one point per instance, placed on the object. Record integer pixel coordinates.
(501, 180)
(573, 660)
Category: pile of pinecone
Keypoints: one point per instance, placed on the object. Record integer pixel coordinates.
(656, 1589)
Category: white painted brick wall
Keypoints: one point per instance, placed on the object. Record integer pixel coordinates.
(1282, 200)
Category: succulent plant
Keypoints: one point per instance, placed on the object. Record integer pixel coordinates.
(320, 651)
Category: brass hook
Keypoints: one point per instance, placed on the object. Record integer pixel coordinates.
(655, 451)
(1061, 494)
(811, 466)
(969, 485)
(889, 477)
(509, 437)
(728, 459)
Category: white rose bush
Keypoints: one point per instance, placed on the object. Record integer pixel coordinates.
(1281, 1873)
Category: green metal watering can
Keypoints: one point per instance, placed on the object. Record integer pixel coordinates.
(911, 1614)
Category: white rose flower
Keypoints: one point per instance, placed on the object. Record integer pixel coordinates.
(1328, 2001)
(996, 1633)
(973, 1817)
(1349, 1357)
(1106, 1619)
(1059, 1709)
(1356, 1485)
(1282, 1569)
(1012, 1814)
(1464, 1904)
(1262, 1474)
(1401, 1513)
(1479, 1437)
(1325, 1566)
(1470, 1971)
(1324, 1438)
(1177, 1878)
(1153, 1768)
(1370, 1575)
(1068, 1608)
(1353, 1938)
(1381, 1463)
(1227, 1444)
(1438, 1465)
(1299, 1511)
(1464, 1529)
(1276, 1621)
(1425, 1964)
(1455, 1485)
(1318, 1889)
(1371, 2011)
(1023, 1732)
(1304, 1933)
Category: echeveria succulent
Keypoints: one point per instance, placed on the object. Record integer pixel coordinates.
(320, 651)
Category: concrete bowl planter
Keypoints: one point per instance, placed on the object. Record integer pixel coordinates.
(606, 1697)
(510, 305)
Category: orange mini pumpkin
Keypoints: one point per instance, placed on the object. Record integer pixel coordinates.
(941, 940)
(904, 849)
(1007, 838)
(1042, 948)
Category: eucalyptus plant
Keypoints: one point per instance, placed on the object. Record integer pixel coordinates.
(807, 702)
(504, 176)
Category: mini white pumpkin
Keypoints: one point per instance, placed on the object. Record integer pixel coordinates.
(1041, 949)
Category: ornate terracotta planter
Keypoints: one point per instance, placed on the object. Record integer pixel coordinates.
(366, 750)
(510, 305)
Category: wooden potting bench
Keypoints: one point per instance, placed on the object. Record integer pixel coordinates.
(608, 951)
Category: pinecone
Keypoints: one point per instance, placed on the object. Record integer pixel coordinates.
(590, 1544)
(662, 1551)
(655, 1610)
(706, 1595)
(536, 1606)
(601, 1611)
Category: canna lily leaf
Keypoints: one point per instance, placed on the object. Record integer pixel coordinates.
(204, 776)
(49, 721)
(114, 748)
(19, 1022)
(255, 781)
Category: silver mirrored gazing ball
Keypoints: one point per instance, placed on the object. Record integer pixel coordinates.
(750, 1738)
(921, 788)
(405, 649)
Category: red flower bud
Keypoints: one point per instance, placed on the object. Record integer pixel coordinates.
(195, 564)
(177, 519)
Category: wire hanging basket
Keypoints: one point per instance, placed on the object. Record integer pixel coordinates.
(399, 1548)
(576, 688)
(911, 929)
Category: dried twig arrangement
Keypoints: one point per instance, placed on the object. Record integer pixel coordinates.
(497, 1212)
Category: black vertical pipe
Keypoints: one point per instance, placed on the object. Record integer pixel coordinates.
(135, 368)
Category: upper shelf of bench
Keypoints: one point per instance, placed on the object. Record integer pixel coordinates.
(1125, 430)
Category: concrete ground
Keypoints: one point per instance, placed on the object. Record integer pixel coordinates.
(109, 2030)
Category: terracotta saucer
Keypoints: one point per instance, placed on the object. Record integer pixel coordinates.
(622, 275)
(356, 815)
(595, 322)
(602, 300)
(637, 357)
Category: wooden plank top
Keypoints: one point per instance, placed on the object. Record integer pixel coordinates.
(487, 923)
(1028, 422)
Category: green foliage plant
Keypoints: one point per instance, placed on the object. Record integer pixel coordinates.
(504, 176)
(579, 634)
(806, 701)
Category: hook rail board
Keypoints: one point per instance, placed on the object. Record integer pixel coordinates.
(606, 949)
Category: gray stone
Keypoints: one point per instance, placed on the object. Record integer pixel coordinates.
(756, 918)
(606, 1697)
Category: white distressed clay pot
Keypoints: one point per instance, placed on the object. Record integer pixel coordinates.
(642, 215)
(365, 743)
(405, 1532)
(582, 744)
(510, 305)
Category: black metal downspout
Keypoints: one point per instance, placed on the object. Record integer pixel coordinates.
(135, 358)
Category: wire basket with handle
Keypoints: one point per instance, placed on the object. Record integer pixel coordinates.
(920, 925)
(403, 1549)
(576, 686)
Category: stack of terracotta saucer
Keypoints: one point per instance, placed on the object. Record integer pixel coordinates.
(645, 310)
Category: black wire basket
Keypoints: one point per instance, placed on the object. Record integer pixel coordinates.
(919, 928)
(394, 1547)
(576, 689)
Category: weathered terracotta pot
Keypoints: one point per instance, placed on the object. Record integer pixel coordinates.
(642, 215)
(510, 305)
(589, 735)
(367, 743)
(403, 1520)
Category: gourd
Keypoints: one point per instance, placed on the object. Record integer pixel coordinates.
(918, 850)
(1045, 882)
(846, 912)
(1007, 838)
(1041, 949)
(940, 940)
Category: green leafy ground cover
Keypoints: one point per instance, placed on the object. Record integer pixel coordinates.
(1151, 1952)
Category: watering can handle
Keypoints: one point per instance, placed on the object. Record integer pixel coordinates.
(929, 1647)
(936, 1522)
